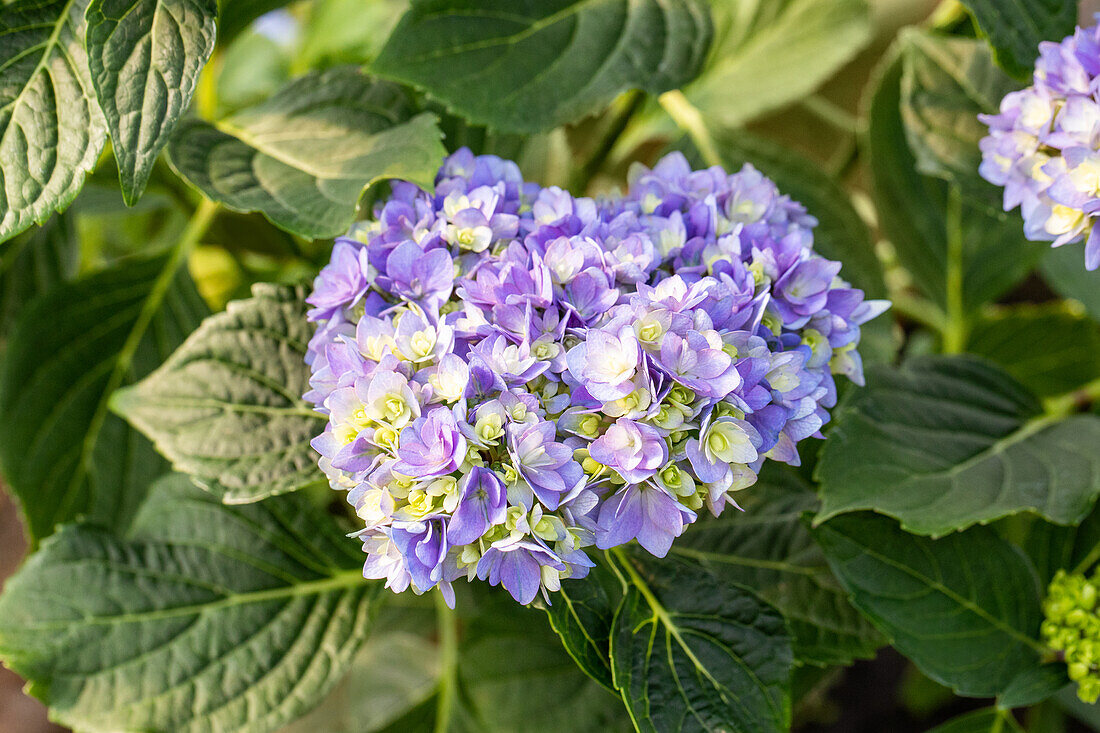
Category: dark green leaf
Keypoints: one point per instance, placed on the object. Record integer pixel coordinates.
(51, 130)
(63, 454)
(582, 613)
(964, 608)
(769, 549)
(840, 233)
(33, 263)
(1050, 348)
(692, 654)
(1064, 270)
(919, 214)
(1016, 28)
(942, 443)
(1053, 548)
(227, 406)
(1034, 685)
(946, 83)
(989, 720)
(145, 57)
(206, 618)
(531, 65)
(303, 157)
(516, 678)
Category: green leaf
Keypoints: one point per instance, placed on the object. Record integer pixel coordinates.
(517, 678)
(920, 216)
(691, 654)
(988, 720)
(145, 57)
(1053, 548)
(767, 55)
(395, 672)
(1050, 348)
(51, 130)
(1064, 270)
(227, 406)
(946, 83)
(253, 68)
(532, 65)
(581, 614)
(769, 549)
(840, 233)
(33, 263)
(347, 31)
(63, 454)
(206, 618)
(1034, 685)
(1016, 28)
(964, 608)
(304, 156)
(942, 443)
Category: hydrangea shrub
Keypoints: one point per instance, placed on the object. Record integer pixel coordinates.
(506, 291)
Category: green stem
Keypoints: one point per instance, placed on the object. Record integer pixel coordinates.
(448, 660)
(690, 120)
(582, 176)
(1089, 560)
(1066, 404)
(956, 328)
(832, 114)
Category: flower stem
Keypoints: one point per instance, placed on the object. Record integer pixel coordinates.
(447, 622)
(956, 329)
(832, 114)
(689, 119)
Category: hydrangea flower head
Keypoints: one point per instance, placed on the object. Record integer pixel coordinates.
(514, 377)
(1072, 626)
(1044, 145)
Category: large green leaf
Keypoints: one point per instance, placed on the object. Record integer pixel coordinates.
(530, 65)
(946, 83)
(145, 57)
(692, 654)
(63, 454)
(964, 608)
(33, 263)
(943, 443)
(51, 130)
(581, 613)
(769, 549)
(1064, 270)
(1050, 348)
(304, 156)
(1052, 547)
(768, 54)
(227, 406)
(205, 618)
(1016, 28)
(940, 236)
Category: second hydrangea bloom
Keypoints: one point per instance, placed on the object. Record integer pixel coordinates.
(1043, 146)
(513, 375)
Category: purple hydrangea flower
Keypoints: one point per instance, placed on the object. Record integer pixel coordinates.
(511, 375)
(1042, 144)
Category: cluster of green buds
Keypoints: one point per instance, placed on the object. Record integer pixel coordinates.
(1072, 626)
